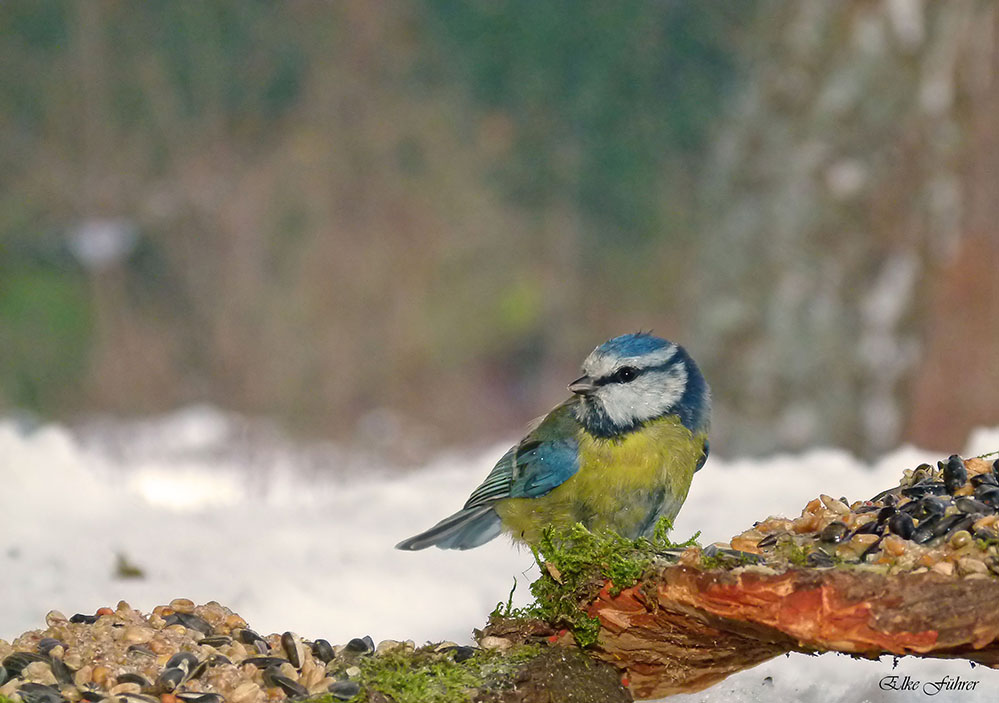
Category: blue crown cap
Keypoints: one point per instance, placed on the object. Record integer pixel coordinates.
(633, 344)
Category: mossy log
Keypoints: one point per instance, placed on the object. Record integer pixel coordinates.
(856, 579)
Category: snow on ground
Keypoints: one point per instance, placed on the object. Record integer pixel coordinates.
(302, 539)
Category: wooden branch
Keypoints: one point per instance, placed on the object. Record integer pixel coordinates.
(686, 627)
(700, 626)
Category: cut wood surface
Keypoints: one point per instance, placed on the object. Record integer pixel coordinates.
(696, 627)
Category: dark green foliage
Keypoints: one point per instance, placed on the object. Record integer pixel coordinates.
(318, 172)
(45, 324)
(605, 98)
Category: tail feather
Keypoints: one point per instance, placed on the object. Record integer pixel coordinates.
(463, 530)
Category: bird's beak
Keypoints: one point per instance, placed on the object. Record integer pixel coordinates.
(582, 385)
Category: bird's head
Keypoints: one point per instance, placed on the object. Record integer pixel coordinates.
(635, 378)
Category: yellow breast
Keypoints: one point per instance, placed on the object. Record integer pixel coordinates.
(622, 484)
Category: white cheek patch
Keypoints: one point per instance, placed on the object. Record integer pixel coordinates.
(650, 395)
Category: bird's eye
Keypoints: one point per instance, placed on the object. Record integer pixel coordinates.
(625, 374)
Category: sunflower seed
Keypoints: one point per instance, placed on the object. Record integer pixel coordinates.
(955, 474)
(901, 524)
(834, 533)
(263, 662)
(323, 650)
(364, 645)
(14, 664)
(183, 661)
(39, 693)
(190, 621)
(818, 559)
(170, 678)
(344, 690)
(293, 689)
(129, 677)
(768, 541)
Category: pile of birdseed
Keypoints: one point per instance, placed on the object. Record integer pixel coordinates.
(179, 653)
(943, 519)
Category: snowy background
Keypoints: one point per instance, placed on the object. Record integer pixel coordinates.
(293, 537)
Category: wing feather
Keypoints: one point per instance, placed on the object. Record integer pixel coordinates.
(539, 463)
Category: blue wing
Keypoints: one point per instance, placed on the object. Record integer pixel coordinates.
(529, 470)
(543, 460)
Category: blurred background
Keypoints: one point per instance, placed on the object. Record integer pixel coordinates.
(403, 225)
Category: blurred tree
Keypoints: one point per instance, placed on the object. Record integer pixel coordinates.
(346, 207)
(439, 207)
(600, 98)
(843, 185)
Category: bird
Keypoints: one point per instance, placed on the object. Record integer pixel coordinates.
(618, 455)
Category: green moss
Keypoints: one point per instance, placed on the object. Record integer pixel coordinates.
(575, 563)
(428, 676)
(797, 554)
(712, 561)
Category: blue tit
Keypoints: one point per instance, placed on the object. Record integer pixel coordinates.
(619, 454)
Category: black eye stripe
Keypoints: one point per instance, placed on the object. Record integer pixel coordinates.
(613, 378)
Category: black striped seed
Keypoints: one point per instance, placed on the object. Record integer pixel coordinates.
(871, 508)
(955, 474)
(970, 505)
(293, 689)
(47, 644)
(901, 524)
(169, 679)
(963, 523)
(768, 541)
(834, 533)
(869, 528)
(988, 495)
(129, 677)
(14, 663)
(927, 507)
(324, 650)
(925, 488)
(198, 697)
(39, 693)
(924, 533)
(344, 690)
(921, 473)
(946, 524)
(818, 559)
(263, 662)
(184, 661)
(61, 671)
(291, 649)
(988, 479)
(363, 645)
(885, 513)
(870, 550)
(190, 621)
